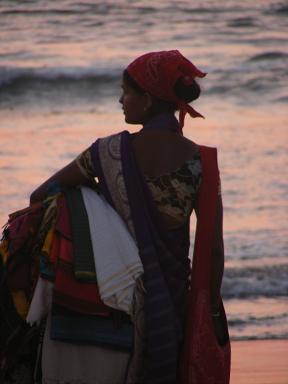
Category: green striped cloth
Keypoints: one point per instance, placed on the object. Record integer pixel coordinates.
(84, 267)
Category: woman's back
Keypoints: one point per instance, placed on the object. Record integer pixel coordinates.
(160, 152)
(171, 166)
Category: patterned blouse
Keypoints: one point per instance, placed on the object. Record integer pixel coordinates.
(173, 192)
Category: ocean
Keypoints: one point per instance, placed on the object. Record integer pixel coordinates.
(60, 74)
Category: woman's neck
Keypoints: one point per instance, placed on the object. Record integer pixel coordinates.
(164, 121)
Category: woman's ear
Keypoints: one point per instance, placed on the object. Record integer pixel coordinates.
(148, 101)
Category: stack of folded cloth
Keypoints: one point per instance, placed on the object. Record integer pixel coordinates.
(88, 270)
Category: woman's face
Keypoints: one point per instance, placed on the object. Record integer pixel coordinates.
(134, 105)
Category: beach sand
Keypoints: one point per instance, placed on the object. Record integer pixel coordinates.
(260, 362)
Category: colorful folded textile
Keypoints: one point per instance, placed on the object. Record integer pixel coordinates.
(68, 291)
(47, 266)
(22, 241)
(22, 226)
(80, 297)
(69, 326)
(19, 266)
(49, 252)
(19, 263)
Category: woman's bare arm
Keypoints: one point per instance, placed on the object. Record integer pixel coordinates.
(68, 176)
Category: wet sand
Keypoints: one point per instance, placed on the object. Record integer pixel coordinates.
(260, 362)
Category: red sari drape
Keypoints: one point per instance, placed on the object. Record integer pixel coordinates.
(203, 360)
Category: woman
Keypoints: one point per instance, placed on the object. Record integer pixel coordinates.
(154, 179)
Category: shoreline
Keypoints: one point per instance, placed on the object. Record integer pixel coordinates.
(259, 362)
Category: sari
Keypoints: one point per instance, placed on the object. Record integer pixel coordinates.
(165, 346)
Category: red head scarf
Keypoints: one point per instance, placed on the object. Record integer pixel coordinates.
(157, 73)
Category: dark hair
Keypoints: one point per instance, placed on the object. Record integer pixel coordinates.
(187, 93)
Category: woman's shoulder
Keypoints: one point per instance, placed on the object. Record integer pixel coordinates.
(160, 152)
(157, 137)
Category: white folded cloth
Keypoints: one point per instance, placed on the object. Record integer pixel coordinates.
(116, 255)
(41, 301)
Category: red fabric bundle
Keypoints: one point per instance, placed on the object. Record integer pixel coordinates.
(157, 73)
(68, 292)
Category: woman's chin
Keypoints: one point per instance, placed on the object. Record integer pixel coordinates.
(129, 121)
(135, 121)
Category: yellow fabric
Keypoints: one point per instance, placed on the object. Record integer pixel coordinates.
(46, 231)
(4, 250)
(21, 303)
(48, 241)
